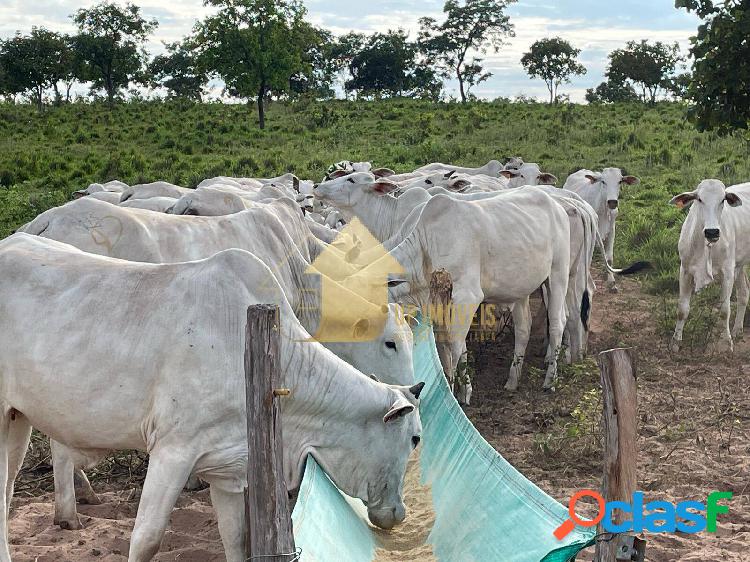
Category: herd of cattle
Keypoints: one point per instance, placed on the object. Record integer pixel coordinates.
(123, 316)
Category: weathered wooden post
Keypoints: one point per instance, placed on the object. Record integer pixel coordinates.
(441, 299)
(269, 526)
(619, 392)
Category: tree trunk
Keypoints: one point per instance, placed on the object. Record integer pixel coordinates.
(39, 105)
(58, 97)
(261, 107)
(551, 94)
(461, 84)
(68, 86)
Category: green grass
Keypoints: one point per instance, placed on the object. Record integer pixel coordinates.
(43, 158)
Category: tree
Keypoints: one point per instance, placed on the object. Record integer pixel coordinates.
(386, 64)
(179, 71)
(554, 61)
(647, 65)
(720, 88)
(256, 46)
(33, 63)
(110, 44)
(475, 25)
(612, 92)
(319, 66)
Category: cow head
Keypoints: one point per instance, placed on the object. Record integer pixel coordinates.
(610, 180)
(710, 198)
(347, 191)
(527, 174)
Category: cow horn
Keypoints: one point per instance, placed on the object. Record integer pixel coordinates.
(416, 390)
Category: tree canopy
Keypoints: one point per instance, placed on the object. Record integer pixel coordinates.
(648, 66)
(720, 85)
(471, 26)
(554, 60)
(179, 71)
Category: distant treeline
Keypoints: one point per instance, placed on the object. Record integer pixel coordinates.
(266, 49)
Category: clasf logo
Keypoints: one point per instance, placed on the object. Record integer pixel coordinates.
(656, 516)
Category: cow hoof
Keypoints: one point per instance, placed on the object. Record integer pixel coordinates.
(725, 345)
(549, 389)
(69, 524)
(511, 387)
(674, 346)
(613, 289)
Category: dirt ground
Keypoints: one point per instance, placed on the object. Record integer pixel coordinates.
(694, 422)
(694, 438)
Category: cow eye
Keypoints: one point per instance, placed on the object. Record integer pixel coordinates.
(428, 182)
(390, 345)
(415, 440)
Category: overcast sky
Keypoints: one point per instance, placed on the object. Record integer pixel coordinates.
(595, 26)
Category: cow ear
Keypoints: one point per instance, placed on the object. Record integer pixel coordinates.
(416, 390)
(411, 321)
(592, 179)
(384, 186)
(733, 199)
(547, 179)
(361, 328)
(683, 199)
(338, 174)
(399, 409)
(373, 377)
(510, 174)
(448, 175)
(459, 185)
(383, 172)
(630, 180)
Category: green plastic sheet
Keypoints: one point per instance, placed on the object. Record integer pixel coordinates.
(485, 509)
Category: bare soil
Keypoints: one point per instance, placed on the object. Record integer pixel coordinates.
(694, 413)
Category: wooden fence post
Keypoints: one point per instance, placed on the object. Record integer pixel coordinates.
(268, 521)
(441, 299)
(619, 394)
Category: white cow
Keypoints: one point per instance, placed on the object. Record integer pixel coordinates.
(714, 240)
(185, 408)
(527, 174)
(601, 190)
(506, 247)
(154, 189)
(112, 197)
(360, 194)
(114, 186)
(289, 181)
(491, 168)
(157, 204)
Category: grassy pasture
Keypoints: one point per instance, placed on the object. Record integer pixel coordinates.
(43, 158)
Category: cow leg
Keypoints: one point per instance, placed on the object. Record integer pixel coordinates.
(84, 492)
(230, 512)
(727, 286)
(557, 292)
(683, 309)
(193, 483)
(609, 251)
(463, 388)
(168, 470)
(19, 433)
(743, 295)
(521, 331)
(63, 468)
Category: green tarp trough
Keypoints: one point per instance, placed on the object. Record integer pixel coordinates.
(485, 510)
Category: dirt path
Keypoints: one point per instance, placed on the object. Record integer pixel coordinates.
(694, 423)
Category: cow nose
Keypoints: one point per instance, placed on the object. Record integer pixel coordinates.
(315, 186)
(612, 204)
(712, 234)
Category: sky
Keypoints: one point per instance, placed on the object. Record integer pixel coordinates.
(594, 26)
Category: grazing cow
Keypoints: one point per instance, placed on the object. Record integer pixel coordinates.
(491, 168)
(222, 200)
(112, 197)
(157, 204)
(114, 186)
(714, 240)
(286, 181)
(601, 190)
(185, 408)
(528, 246)
(527, 174)
(154, 189)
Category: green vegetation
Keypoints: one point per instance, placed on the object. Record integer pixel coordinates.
(43, 158)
